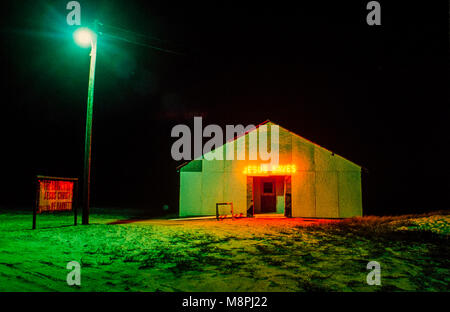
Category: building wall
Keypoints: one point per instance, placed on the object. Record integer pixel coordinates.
(190, 188)
(235, 191)
(350, 195)
(303, 194)
(324, 186)
(327, 199)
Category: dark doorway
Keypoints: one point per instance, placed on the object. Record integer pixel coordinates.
(268, 195)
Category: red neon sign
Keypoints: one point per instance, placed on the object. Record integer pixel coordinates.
(265, 169)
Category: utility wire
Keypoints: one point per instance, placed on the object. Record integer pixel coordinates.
(139, 42)
(134, 33)
(144, 44)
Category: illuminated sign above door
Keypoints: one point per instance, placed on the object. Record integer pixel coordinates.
(268, 169)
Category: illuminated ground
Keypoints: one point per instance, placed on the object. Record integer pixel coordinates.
(239, 255)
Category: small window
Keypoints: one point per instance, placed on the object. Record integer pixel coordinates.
(268, 188)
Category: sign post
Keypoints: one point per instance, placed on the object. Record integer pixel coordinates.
(56, 194)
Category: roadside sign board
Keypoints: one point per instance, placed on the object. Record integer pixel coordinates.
(55, 194)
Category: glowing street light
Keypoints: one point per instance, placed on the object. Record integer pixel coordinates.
(85, 38)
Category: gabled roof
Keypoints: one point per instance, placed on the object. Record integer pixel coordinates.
(266, 122)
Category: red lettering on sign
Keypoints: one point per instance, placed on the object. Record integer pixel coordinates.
(55, 195)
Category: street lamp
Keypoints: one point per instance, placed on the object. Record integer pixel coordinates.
(85, 38)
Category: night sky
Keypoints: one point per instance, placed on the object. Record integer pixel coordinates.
(377, 95)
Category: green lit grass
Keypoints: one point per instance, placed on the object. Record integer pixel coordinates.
(240, 255)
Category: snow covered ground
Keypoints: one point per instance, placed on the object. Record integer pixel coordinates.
(230, 255)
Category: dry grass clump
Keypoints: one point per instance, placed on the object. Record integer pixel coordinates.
(406, 227)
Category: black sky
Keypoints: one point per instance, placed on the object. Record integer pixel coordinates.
(375, 95)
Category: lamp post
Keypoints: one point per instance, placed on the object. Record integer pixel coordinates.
(85, 37)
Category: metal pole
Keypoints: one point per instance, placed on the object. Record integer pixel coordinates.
(75, 201)
(36, 206)
(88, 139)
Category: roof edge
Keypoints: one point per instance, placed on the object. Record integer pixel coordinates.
(265, 122)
